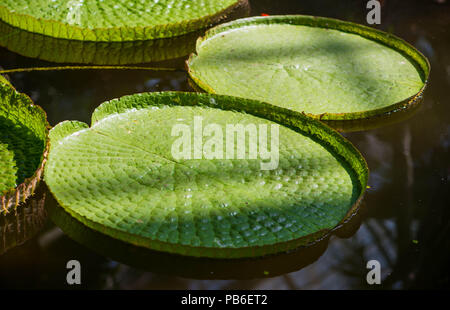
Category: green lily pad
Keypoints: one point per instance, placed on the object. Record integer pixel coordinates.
(102, 53)
(99, 53)
(114, 20)
(121, 177)
(23, 144)
(194, 267)
(326, 68)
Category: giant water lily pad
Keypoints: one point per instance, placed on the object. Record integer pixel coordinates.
(121, 176)
(326, 68)
(23, 144)
(99, 53)
(113, 20)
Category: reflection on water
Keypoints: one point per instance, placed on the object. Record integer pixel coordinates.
(103, 53)
(407, 221)
(22, 223)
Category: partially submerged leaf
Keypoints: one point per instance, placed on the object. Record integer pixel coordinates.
(114, 20)
(120, 177)
(23, 143)
(329, 69)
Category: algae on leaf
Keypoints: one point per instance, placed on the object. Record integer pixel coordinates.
(327, 68)
(114, 20)
(121, 177)
(23, 143)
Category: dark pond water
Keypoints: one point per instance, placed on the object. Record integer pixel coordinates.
(404, 222)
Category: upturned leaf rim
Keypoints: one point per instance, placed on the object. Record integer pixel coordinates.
(299, 122)
(12, 198)
(420, 62)
(111, 34)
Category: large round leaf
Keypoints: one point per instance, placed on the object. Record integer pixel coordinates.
(324, 67)
(120, 176)
(23, 143)
(113, 20)
(102, 53)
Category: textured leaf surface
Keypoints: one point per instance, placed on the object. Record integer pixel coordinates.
(23, 136)
(100, 53)
(113, 20)
(316, 65)
(119, 177)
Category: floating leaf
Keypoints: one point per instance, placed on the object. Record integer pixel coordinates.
(23, 143)
(329, 69)
(114, 20)
(100, 53)
(119, 177)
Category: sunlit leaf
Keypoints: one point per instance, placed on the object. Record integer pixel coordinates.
(119, 176)
(330, 69)
(113, 20)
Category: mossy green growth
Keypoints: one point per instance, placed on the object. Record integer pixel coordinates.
(23, 137)
(327, 68)
(113, 20)
(120, 176)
